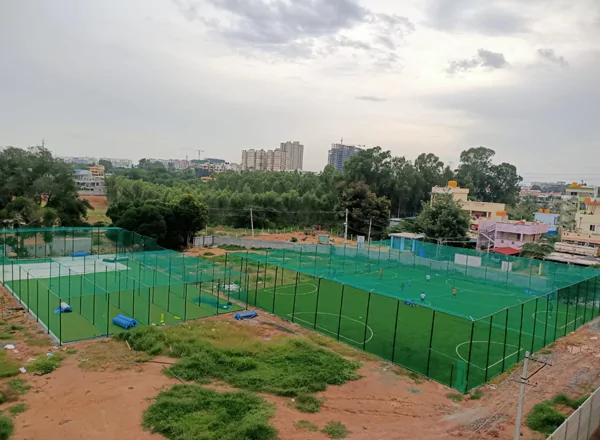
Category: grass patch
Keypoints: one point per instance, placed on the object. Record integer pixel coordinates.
(190, 412)
(290, 367)
(6, 427)
(45, 364)
(37, 342)
(208, 254)
(545, 351)
(232, 247)
(307, 403)
(17, 409)
(340, 348)
(335, 430)
(8, 367)
(71, 351)
(476, 394)
(545, 417)
(305, 425)
(455, 397)
(14, 327)
(20, 386)
(109, 354)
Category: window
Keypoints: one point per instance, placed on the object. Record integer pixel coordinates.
(593, 228)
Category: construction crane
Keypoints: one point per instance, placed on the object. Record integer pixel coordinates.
(198, 151)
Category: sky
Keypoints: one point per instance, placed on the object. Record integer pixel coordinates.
(163, 78)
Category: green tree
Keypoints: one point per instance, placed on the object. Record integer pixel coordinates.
(540, 249)
(445, 220)
(106, 164)
(364, 208)
(488, 182)
(189, 216)
(46, 182)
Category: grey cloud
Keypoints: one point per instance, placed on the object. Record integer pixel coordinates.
(551, 56)
(303, 28)
(477, 16)
(370, 98)
(484, 58)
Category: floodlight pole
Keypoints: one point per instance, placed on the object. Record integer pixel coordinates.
(252, 222)
(369, 237)
(521, 397)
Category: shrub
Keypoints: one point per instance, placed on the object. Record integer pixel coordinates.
(6, 427)
(294, 240)
(188, 412)
(305, 425)
(544, 418)
(476, 394)
(335, 430)
(307, 403)
(17, 409)
(45, 364)
(455, 397)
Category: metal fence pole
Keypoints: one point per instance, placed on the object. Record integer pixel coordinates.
(265, 280)
(534, 325)
(505, 337)
(395, 330)
(546, 323)
(295, 293)
(275, 289)
(568, 307)
(256, 282)
(576, 307)
(340, 314)
(430, 342)
(367, 320)
(521, 332)
(487, 361)
(317, 303)
(470, 352)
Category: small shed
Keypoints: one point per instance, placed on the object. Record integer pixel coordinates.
(405, 241)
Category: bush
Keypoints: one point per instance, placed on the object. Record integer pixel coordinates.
(17, 409)
(563, 399)
(335, 430)
(188, 412)
(544, 418)
(6, 427)
(307, 403)
(305, 425)
(455, 397)
(476, 394)
(45, 364)
(294, 240)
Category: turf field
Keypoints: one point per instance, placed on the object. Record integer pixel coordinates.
(462, 341)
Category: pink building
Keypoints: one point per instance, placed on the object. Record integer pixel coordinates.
(508, 237)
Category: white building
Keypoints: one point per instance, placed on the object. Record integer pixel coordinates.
(89, 184)
(118, 163)
(287, 158)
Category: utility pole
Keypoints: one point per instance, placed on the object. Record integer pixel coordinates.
(346, 228)
(521, 397)
(369, 236)
(252, 222)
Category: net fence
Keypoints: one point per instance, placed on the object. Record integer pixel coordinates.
(76, 280)
(431, 309)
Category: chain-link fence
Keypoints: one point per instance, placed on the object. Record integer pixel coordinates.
(426, 316)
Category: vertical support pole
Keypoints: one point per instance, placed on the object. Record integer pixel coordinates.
(395, 329)
(340, 314)
(576, 307)
(266, 260)
(470, 352)
(185, 291)
(505, 336)
(534, 326)
(366, 321)
(247, 289)
(317, 303)
(430, 342)
(547, 313)
(275, 289)
(59, 324)
(107, 313)
(487, 360)
(295, 293)
(521, 397)
(256, 281)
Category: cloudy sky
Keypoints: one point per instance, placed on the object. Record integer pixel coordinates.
(162, 78)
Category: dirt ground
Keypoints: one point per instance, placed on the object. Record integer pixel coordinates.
(100, 205)
(100, 393)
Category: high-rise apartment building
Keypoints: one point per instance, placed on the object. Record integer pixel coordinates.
(287, 158)
(340, 153)
(294, 155)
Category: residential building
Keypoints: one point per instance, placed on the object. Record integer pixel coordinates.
(574, 202)
(544, 216)
(581, 192)
(205, 167)
(175, 164)
(478, 211)
(294, 155)
(340, 153)
(97, 170)
(508, 237)
(270, 160)
(76, 160)
(88, 183)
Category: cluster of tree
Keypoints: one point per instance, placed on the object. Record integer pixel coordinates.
(37, 189)
(173, 224)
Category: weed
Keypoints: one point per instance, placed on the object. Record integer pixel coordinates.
(188, 411)
(455, 397)
(71, 351)
(37, 342)
(7, 394)
(17, 409)
(563, 399)
(544, 418)
(14, 327)
(305, 425)
(6, 427)
(208, 254)
(45, 364)
(476, 394)
(211, 351)
(307, 403)
(545, 351)
(8, 367)
(294, 240)
(19, 385)
(335, 430)
(5, 336)
(232, 247)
